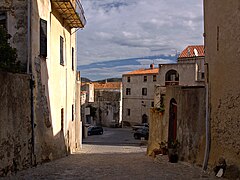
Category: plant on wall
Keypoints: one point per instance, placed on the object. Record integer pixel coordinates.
(8, 55)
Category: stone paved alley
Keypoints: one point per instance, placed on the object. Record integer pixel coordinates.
(113, 155)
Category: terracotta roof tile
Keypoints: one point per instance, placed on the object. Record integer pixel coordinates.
(143, 71)
(107, 85)
(189, 51)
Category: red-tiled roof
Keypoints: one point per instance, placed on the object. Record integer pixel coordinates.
(107, 85)
(189, 51)
(143, 71)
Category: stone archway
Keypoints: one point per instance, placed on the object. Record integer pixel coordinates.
(172, 127)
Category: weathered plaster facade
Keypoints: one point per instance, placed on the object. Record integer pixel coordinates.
(55, 96)
(222, 42)
(136, 105)
(15, 123)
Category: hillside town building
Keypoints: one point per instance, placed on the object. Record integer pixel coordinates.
(43, 32)
(138, 94)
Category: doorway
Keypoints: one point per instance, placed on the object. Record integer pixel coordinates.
(172, 129)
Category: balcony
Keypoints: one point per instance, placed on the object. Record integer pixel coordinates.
(171, 83)
(71, 11)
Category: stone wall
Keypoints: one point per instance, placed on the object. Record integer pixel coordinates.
(15, 122)
(222, 39)
(190, 123)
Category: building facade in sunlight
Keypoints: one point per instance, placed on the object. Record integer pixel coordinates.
(43, 32)
(138, 95)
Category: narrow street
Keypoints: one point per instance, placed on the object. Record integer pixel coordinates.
(113, 155)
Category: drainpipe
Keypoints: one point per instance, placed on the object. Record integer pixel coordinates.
(29, 71)
(208, 140)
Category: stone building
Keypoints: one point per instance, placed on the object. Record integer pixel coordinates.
(105, 109)
(222, 42)
(43, 32)
(179, 111)
(138, 94)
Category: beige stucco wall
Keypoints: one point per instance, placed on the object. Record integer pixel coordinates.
(186, 70)
(136, 102)
(222, 44)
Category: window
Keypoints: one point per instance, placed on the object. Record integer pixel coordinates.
(202, 75)
(73, 58)
(145, 78)
(154, 78)
(61, 51)
(128, 79)
(72, 112)
(62, 118)
(43, 38)
(128, 112)
(144, 91)
(128, 91)
(152, 104)
(3, 20)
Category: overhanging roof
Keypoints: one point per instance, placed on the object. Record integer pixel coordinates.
(67, 10)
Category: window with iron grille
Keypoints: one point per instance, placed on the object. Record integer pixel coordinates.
(3, 20)
(144, 91)
(61, 51)
(145, 78)
(43, 38)
(73, 58)
(128, 91)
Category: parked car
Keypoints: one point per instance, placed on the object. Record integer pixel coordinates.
(93, 130)
(136, 127)
(141, 132)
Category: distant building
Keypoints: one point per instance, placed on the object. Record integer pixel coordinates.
(105, 108)
(222, 45)
(138, 94)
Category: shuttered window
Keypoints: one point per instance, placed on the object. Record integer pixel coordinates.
(61, 51)
(43, 38)
(73, 58)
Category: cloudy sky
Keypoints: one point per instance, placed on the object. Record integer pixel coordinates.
(124, 35)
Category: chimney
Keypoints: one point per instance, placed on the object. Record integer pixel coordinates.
(151, 66)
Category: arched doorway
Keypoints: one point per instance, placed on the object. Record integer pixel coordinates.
(172, 128)
(144, 118)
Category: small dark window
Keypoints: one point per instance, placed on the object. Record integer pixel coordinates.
(128, 112)
(144, 91)
(152, 104)
(61, 51)
(43, 38)
(145, 78)
(73, 58)
(62, 118)
(202, 75)
(3, 20)
(72, 112)
(128, 79)
(128, 91)
(154, 78)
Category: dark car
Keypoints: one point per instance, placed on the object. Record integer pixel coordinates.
(136, 127)
(141, 132)
(92, 130)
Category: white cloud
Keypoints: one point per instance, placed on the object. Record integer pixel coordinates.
(118, 29)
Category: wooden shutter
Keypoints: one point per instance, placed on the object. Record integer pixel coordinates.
(61, 51)
(43, 38)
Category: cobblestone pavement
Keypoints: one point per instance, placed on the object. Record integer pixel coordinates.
(107, 159)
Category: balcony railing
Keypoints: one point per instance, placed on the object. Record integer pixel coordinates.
(71, 11)
(171, 83)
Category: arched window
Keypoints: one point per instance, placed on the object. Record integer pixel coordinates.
(171, 78)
